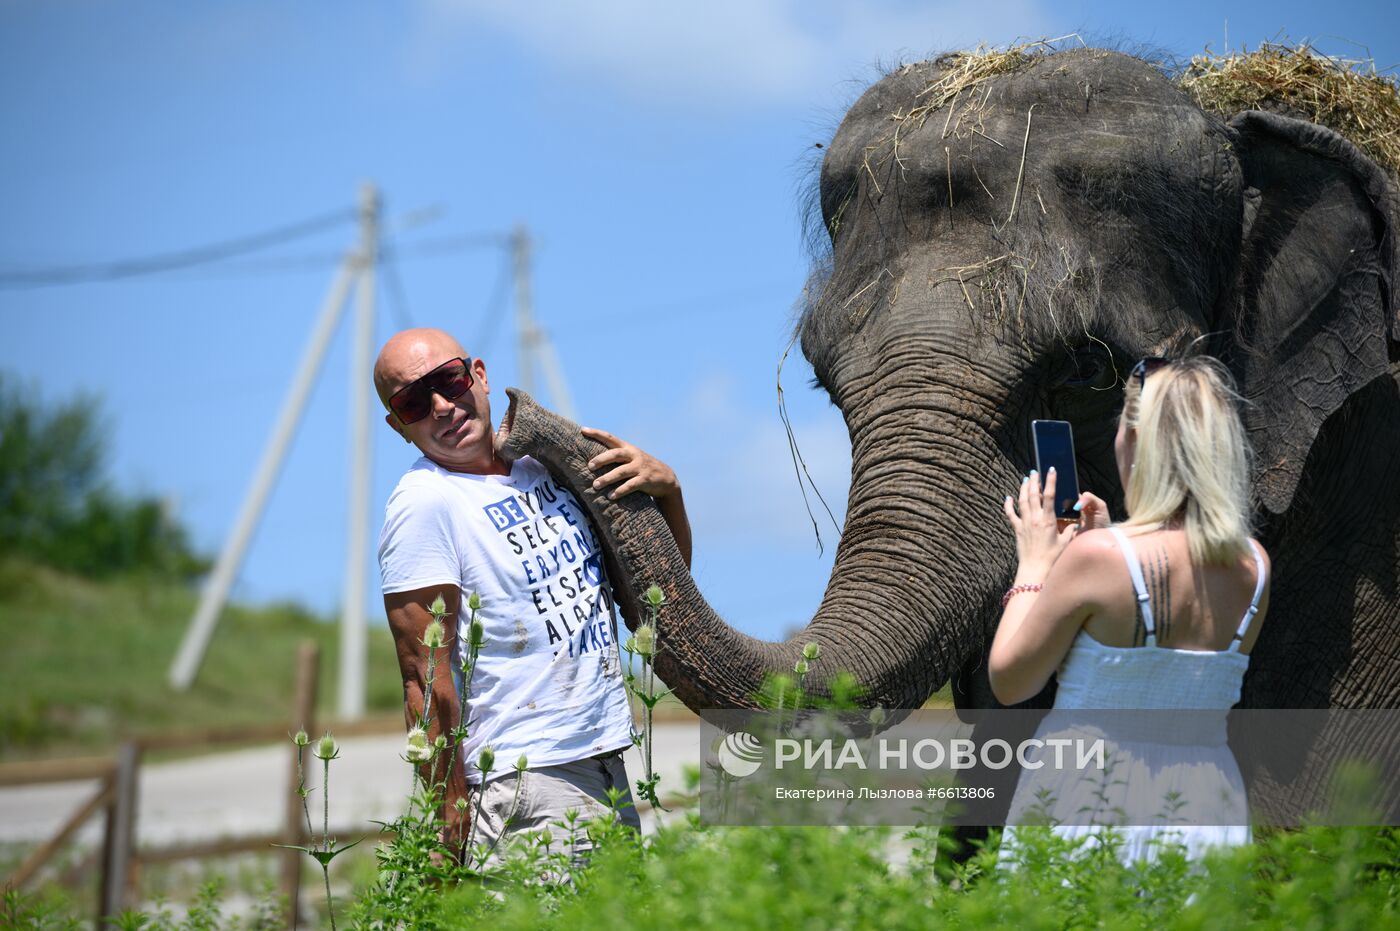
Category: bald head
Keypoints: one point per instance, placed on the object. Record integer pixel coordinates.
(410, 354)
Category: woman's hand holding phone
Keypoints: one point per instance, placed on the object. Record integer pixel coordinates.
(1093, 512)
(1040, 536)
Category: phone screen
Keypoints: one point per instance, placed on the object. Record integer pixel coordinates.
(1054, 446)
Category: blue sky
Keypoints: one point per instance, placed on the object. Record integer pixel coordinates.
(657, 152)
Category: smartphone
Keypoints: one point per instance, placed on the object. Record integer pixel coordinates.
(1054, 446)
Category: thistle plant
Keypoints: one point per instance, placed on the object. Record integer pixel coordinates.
(419, 859)
(810, 653)
(485, 762)
(432, 639)
(476, 637)
(302, 741)
(645, 643)
(417, 749)
(326, 849)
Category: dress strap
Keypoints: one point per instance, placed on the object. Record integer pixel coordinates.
(1139, 584)
(1253, 609)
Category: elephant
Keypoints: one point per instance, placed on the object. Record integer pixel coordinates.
(1007, 235)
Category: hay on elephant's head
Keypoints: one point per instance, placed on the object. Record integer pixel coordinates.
(958, 72)
(964, 70)
(1348, 96)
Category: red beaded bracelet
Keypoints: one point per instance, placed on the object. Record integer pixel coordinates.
(1015, 590)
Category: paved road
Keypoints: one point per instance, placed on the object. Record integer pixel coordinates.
(241, 793)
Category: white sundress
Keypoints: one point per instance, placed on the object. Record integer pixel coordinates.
(1154, 761)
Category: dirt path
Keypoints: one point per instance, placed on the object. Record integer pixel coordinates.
(241, 793)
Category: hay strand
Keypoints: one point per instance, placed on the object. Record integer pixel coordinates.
(1346, 95)
(1021, 172)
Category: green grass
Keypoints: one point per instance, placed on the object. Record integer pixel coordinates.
(84, 663)
(830, 878)
(693, 878)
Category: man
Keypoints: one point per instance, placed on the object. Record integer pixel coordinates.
(547, 685)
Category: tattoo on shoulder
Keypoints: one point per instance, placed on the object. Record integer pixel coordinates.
(1159, 591)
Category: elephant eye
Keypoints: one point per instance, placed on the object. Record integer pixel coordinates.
(1090, 366)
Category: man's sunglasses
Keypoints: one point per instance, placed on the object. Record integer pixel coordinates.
(414, 401)
(1146, 367)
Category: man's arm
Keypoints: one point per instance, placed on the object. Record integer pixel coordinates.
(408, 619)
(640, 471)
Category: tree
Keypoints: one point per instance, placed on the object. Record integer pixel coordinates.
(55, 506)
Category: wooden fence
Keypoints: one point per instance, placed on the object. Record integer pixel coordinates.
(115, 798)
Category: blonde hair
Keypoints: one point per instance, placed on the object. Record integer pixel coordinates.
(1192, 459)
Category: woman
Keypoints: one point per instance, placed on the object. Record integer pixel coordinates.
(1159, 612)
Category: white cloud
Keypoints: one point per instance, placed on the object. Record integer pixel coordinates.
(726, 51)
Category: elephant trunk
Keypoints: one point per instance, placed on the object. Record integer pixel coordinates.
(884, 615)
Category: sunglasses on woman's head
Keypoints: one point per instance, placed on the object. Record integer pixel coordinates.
(414, 401)
(1146, 367)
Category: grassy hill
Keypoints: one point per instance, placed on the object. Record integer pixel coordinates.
(83, 663)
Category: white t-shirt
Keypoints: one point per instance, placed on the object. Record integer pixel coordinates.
(548, 682)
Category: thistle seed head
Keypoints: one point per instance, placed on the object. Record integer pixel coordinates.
(645, 640)
(478, 634)
(438, 608)
(433, 635)
(300, 738)
(474, 601)
(811, 651)
(800, 667)
(326, 748)
(440, 741)
(416, 749)
(655, 596)
(487, 760)
(521, 764)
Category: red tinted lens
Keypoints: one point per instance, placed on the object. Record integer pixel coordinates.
(412, 403)
(451, 380)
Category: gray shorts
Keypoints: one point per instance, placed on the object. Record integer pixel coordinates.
(518, 803)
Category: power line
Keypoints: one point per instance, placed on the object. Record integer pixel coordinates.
(171, 261)
(317, 261)
(444, 245)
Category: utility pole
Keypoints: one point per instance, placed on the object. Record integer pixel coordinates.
(533, 346)
(353, 633)
(526, 335)
(357, 269)
(201, 630)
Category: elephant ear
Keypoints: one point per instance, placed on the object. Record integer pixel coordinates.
(1315, 312)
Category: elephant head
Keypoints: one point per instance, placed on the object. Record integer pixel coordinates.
(1008, 233)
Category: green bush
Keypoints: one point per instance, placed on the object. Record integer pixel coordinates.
(55, 507)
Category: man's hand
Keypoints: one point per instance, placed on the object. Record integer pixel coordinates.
(634, 468)
(640, 471)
